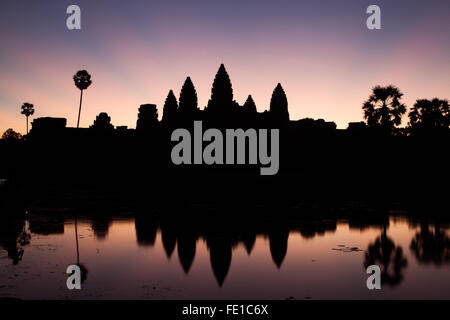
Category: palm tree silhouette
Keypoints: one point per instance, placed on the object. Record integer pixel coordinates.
(386, 254)
(431, 246)
(27, 110)
(383, 109)
(82, 81)
(429, 115)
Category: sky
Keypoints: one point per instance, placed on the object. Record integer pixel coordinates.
(137, 50)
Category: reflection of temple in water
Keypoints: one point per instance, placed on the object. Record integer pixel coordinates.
(278, 240)
(47, 224)
(220, 250)
(187, 243)
(100, 226)
(169, 239)
(430, 245)
(146, 228)
(221, 239)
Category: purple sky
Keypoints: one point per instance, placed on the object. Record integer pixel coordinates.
(321, 52)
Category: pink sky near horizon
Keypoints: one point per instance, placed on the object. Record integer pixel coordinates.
(327, 77)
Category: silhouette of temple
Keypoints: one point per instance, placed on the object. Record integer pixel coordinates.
(222, 111)
(316, 157)
(48, 125)
(147, 118)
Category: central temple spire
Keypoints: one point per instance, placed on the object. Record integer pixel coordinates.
(221, 93)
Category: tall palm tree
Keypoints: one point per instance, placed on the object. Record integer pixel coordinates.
(27, 110)
(383, 109)
(82, 81)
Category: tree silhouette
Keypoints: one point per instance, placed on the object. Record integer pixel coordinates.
(431, 246)
(384, 253)
(102, 122)
(82, 81)
(188, 99)
(170, 109)
(429, 115)
(279, 105)
(27, 110)
(11, 135)
(221, 93)
(249, 105)
(147, 118)
(383, 109)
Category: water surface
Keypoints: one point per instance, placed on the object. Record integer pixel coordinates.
(130, 257)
